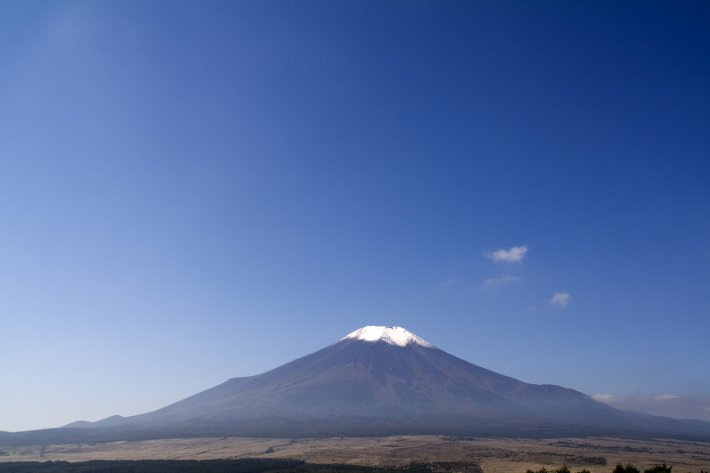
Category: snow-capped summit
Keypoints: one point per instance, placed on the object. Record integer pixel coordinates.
(397, 336)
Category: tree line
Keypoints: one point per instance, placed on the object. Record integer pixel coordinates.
(628, 468)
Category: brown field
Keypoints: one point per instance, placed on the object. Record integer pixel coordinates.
(493, 455)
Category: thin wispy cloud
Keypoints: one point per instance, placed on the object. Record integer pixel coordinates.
(560, 299)
(666, 397)
(493, 282)
(514, 254)
(448, 283)
(667, 405)
(605, 398)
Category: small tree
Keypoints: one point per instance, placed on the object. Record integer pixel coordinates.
(629, 468)
(659, 469)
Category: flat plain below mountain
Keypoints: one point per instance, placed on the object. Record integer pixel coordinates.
(491, 455)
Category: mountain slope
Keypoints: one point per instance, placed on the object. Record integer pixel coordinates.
(385, 380)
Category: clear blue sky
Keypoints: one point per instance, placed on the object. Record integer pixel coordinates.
(193, 191)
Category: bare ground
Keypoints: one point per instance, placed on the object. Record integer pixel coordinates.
(598, 455)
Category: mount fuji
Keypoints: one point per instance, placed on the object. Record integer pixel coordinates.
(379, 381)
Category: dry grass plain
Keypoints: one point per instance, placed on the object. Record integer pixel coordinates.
(502, 455)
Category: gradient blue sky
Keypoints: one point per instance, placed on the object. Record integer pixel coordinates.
(193, 191)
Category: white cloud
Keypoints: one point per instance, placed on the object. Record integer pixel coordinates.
(493, 282)
(560, 298)
(514, 254)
